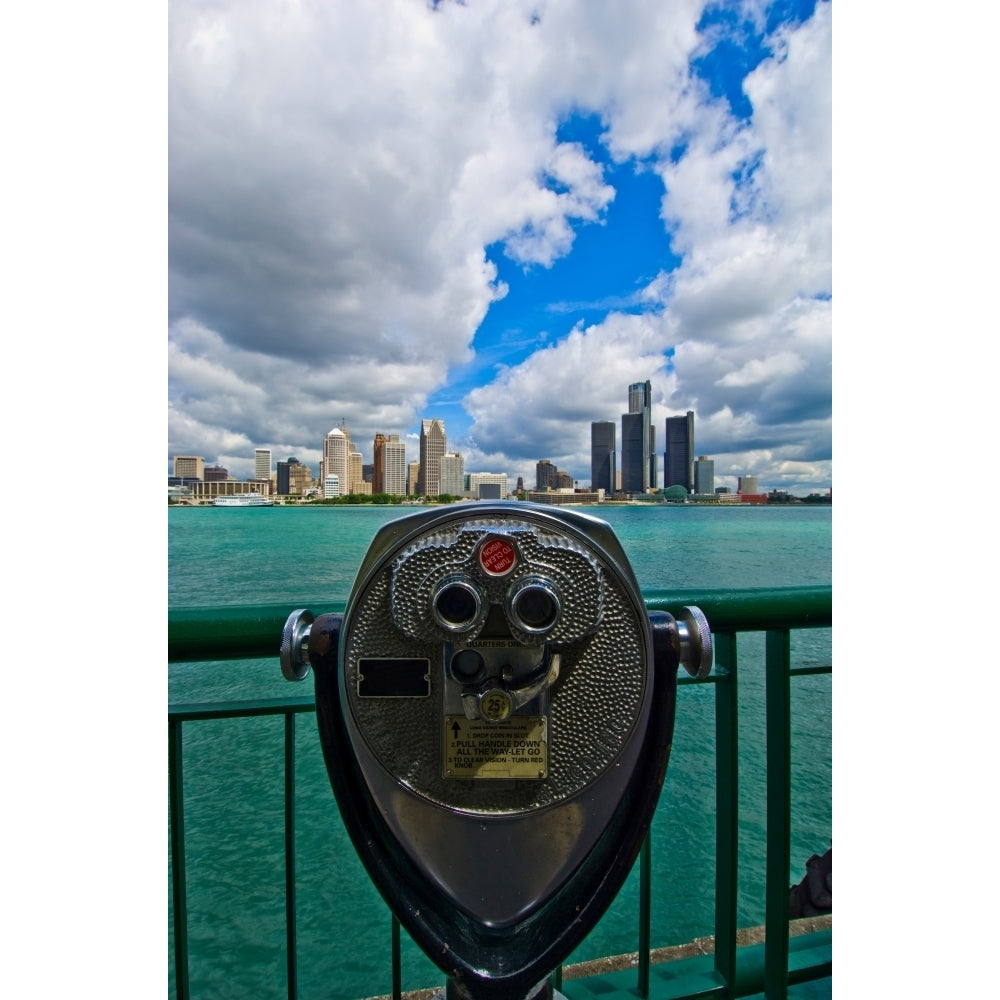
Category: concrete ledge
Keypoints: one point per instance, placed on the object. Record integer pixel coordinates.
(616, 963)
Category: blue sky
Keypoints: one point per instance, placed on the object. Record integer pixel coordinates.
(500, 215)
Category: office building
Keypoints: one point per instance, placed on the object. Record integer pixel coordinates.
(378, 464)
(635, 471)
(412, 477)
(602, 455)
(433, 445)
(391, 478)
(678, 455)
(189, 467)
(488, 486)
(331, 487)
(545, 475)
(639, 440)
(294, 478)
(452, 474)
(216, 474)
(336, 462)
(704, 475)
(262, 463)
(284, 480)
(356, 473)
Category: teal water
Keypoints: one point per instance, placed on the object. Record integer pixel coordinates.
(233, 770)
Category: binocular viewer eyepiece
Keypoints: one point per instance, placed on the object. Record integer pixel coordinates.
(496, 708)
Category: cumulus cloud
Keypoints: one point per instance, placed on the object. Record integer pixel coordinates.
(337, 172)
(747, 315)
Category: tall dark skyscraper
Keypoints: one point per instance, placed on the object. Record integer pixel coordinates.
(638, 441)
(602, 456)
(433, 445)
(678, 456)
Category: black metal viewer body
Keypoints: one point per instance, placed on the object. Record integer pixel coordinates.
(496, 709)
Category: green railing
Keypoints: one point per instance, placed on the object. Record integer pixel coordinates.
(732, 970)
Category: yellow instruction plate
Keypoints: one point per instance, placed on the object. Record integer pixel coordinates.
(515, 748)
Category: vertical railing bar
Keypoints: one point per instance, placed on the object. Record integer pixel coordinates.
(178, 864)
(291, 930)
(397, 960)
(645, 909)
(777, 661)
(726, 808)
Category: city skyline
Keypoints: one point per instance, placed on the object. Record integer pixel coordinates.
(440, 471)
(479, 254)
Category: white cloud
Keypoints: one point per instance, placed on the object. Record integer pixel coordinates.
(748, 311)
(337, 171)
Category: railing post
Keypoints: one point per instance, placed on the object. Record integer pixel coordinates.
(397, 961)
(290, 924)
(175, 755)
(645, 910)
(726, 807)
(779, 812)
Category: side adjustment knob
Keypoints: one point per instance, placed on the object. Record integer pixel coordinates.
(294, 652)
(696, 642)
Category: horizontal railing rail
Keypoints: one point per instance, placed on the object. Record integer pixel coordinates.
(228, 633)
(247, 632)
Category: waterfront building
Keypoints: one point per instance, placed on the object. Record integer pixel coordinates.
(556, 497)
(412, 477)
(355, 472)
(336, 449)
(294, 478)
(488, 486)
(206, 492)
(262, 463)
(378, 464)
(284, 482)
(640, 476)
(433, 445)
(215, 474)
(393, 467)
(602, 455)
(678, 456)
(704, 475)
(545, 475)
(189, 467)
(331, 486)
(635, 470)
(452, 473)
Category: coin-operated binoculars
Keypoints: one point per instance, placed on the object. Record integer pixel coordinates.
(496, 709)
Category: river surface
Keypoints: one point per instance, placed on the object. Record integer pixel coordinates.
(233, 775)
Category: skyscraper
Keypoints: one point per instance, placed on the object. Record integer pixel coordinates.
(704, 475)
(393, 467)
(336, 449)
(262, 463)
(545, 475)
(678, 455)
(452, 474)
(378, 460)
(638, 440)
(602, 456)
(355, 472)
(433, 445)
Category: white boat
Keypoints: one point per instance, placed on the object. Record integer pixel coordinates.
(243, 500)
